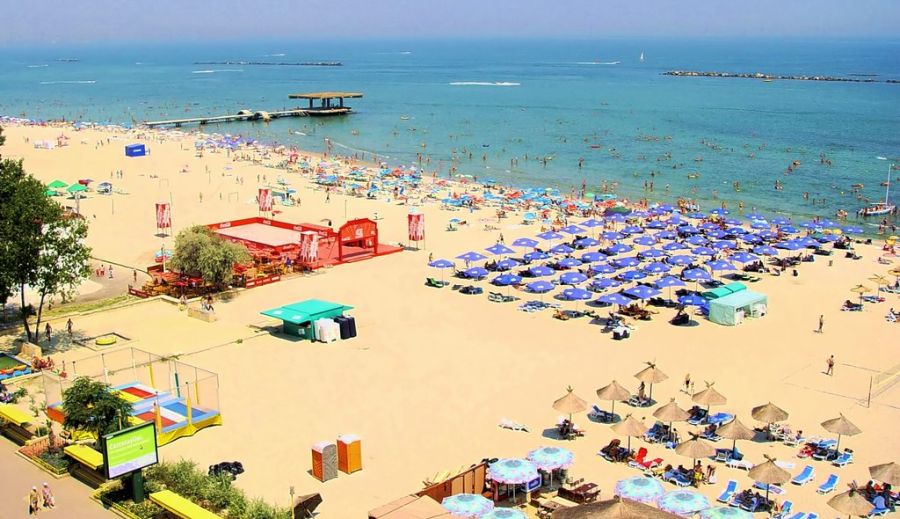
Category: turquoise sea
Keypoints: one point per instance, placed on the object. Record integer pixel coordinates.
(560, 100)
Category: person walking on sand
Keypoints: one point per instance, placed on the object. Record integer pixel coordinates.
(69, 326)
(33, 501)
(821, 323)
(830, 366)
(110, 272)
(687, 382)
(47, 496)
(48, 331)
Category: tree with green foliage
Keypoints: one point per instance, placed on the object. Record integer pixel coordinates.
(2, 138)
(63, 262)
(91, 406)
(200, 252)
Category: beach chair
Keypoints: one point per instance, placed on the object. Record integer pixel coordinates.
(771, 488)
(506, 423)
(812, 515)
(600, 415)
(828, 485)
(713, 437)
(798, 515)
(844, 459)
(877, 512)
(638, 458)
(804, 477)
(786, 508)
(434, 283)
(740, 464)
(729, 491)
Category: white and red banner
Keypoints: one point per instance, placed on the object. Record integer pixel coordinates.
(416, 227)
(163, 216)
(309, 247)
(265, 199)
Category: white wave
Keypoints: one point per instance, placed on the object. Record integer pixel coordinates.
(210, 71)
(597, 62)
(278, 55)
(484, 83)
(406, 52)
(85, 82)
(38, 66)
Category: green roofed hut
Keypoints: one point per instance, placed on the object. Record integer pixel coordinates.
(730, 310)
(724, 290)
(298, 317)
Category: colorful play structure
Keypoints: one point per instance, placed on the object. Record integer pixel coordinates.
(179, 398)
(12, 366)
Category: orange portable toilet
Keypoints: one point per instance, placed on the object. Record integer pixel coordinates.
(324, 460)
(349, 451)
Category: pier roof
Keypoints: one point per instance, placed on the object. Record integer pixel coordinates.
(326, 95)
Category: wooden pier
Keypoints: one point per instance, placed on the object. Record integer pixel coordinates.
(330, 103)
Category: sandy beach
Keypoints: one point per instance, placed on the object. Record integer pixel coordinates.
(433, 372)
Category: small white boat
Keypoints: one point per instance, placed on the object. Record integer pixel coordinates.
(642, 56)
(881, 208)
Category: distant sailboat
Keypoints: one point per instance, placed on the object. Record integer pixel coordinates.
(642, 56)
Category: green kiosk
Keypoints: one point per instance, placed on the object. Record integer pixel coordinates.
(298, 317)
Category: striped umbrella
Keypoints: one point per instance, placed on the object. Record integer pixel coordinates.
(467, 505)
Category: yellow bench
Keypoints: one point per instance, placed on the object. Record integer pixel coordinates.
(85, 455)
(14, 415)
(180, 506)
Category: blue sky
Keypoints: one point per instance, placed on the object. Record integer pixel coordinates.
(93, 21)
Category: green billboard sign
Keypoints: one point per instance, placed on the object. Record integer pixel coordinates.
(130, 450)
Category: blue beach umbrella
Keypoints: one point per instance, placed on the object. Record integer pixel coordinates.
(765, 250)
(760, 224)
(704, 251)
(499, 249)
(535, 256)
(718, 211)
(572, 278)
(476, 273)
(788, 229)
(632, 275)
(611, 235)
(724, 244)
(743, 257)
(642, 292)
(614, 299)
(525, 242)
(507, 264)
(644, 240)
(618, 248)
(767, 235)
(471, 256)
(683, 502)
(441, 264)
(629, 261)
(737, 231)
(751, 238)
(586, 242)
(696, 215)
(540, 271)
(720, 265)
(572, 229)
(665, 235)
(696, 275)
(732, 221)
(640, 488)
(655, 224)
(669, 282)
(632, 229)
(592, 257)
(852, 230)
(569, 263)
(605, 268)
(467, 505)
(615, 217)
(603, 283)
(691, 300)
(696, 240)
(681, 260)
(505, 513)
(550, 236)
(591, 223)
(788, 245)
(506, 280)
(540, 287)
(651, 253)
(551, 458)
(717, 234)
(512, 471)
(781, 220)
(674, 245)
(656, 268)
(576, 294)
(725, 512)
(562, 248)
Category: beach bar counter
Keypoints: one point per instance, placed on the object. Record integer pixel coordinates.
(298, 318)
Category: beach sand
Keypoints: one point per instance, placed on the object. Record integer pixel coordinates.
(432, 371)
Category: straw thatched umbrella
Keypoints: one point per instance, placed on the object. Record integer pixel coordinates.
(671, 413)
(695, 448)
(735, 430)
(769, 413)
(570, 403)
(851, 502)
(770, 474)
(630, 426)
(880, 280)
(616, 508)
(886, 473)
(614, 392)
(709, 397)
(651, 375)
(842, 427)
(860, 289)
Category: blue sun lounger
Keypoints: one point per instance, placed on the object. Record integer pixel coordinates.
(829, 484)
(798, 515)
(730, 489)
(804, 477)
(843, 460)
(812, 515)
(786, 508)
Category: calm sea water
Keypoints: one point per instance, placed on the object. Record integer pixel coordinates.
(500, 100)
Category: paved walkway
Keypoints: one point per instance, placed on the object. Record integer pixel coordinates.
(18, 476)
